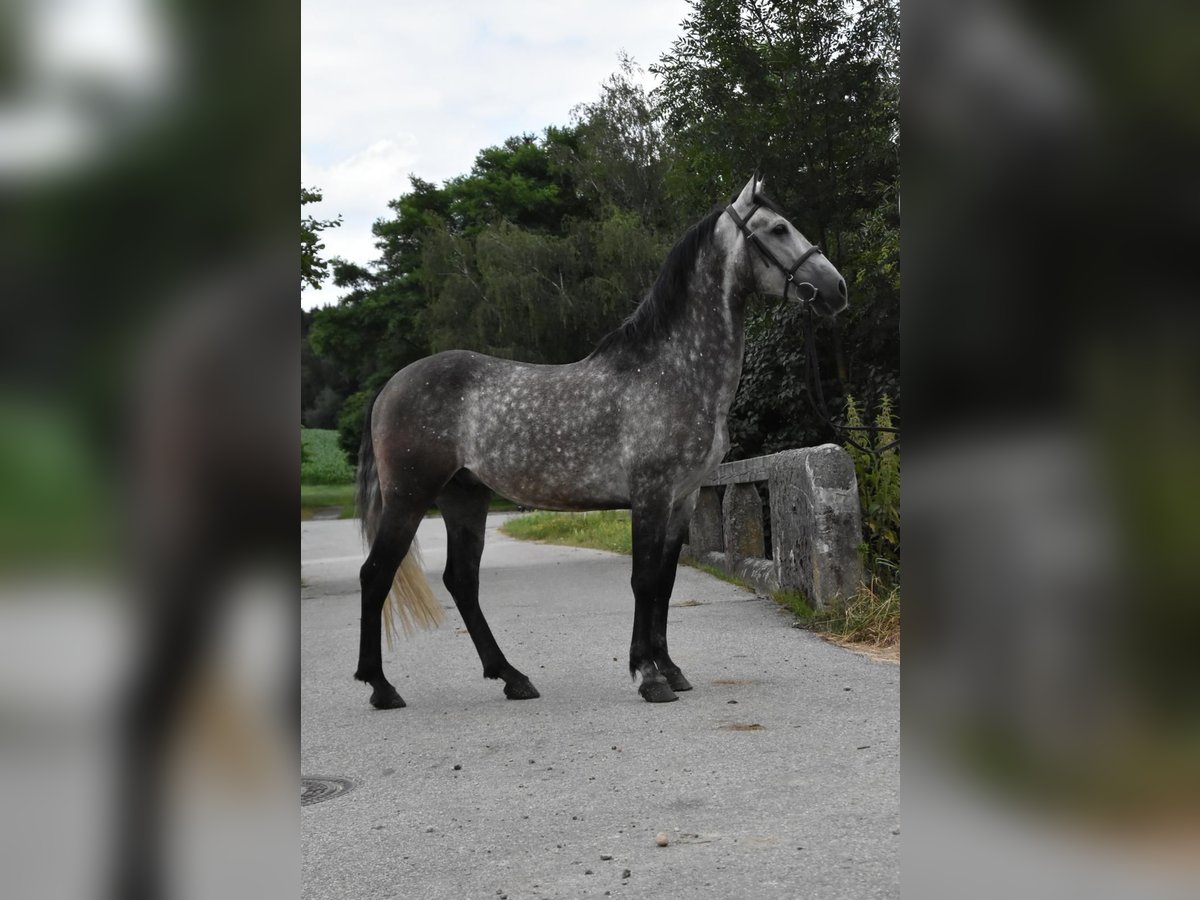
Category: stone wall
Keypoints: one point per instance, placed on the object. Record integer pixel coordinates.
(816, 526)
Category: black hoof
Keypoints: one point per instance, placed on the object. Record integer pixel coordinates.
(657, 692)
(520, 690)
(676, 680)
(387, 698)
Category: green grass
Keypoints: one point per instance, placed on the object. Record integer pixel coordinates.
(718, 572)
(607, 530)
(796, 603)
(871, 617)
(324, 496)
(322, 461)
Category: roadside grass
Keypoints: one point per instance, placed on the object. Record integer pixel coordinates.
(314, 497)
(607, 530)
(718, 572)
(871, 618)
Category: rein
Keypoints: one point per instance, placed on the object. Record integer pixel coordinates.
(816, 395)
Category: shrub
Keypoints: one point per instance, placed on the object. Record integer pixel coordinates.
(350, 422)
(321, 459)
(878, 475)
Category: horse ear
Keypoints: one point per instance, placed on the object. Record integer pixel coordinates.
(746, 198)
(762, 183)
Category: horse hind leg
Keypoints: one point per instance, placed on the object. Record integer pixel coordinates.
(464, 506)
(397, 529)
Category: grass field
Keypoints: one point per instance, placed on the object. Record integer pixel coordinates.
(326, 476)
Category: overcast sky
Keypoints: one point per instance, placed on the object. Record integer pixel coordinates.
(392, 87)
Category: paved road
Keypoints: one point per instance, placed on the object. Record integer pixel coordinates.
(467, 795)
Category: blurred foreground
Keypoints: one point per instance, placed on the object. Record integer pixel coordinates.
(147, 449)
(1050, 704)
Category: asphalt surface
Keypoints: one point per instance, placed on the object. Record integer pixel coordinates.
(778, 776)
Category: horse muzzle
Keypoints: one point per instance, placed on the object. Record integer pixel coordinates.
(828, 300)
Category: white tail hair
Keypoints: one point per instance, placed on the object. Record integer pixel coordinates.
(410, 599)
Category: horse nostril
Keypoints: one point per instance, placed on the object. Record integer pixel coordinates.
(842, 287)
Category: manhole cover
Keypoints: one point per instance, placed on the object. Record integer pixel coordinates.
(314, 789)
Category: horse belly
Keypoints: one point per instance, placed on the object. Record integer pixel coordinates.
(541, 461)
(555, 478)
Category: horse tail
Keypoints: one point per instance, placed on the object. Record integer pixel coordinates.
(368, 496)
(410, 598)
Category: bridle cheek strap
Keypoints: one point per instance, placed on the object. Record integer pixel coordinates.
(767, 254)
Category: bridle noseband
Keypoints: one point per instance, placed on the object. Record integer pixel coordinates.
(770, 257)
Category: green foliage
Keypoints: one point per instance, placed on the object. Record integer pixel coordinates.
(608, 530)
(313, 269)
(537, 297)
(620, 158)
(879, 493)
(322, 460)
(350, 423)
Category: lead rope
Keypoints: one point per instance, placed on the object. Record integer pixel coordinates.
(816, 395)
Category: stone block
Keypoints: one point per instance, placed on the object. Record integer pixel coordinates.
(743, 526)
(706, 532)
(816, 525)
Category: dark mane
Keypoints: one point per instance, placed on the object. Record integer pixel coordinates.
(664, 301)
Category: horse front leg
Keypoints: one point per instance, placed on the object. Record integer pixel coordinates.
(650, 521)
(677, 531)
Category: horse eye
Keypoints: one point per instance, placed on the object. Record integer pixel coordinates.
(780, 229)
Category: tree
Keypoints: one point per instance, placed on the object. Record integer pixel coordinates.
(620, 155)
(313, 269)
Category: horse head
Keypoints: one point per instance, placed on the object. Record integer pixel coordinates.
(784, 262)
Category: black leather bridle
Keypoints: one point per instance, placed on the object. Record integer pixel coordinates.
(788, 272)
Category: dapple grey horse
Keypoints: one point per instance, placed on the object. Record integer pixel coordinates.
(636, 425)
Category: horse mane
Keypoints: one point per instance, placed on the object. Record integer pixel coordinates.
(667, 297)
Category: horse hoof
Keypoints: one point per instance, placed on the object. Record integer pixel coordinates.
(387, 699)
(656, 692)
(520, 690)
(677, 681)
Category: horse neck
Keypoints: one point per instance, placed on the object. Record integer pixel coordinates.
(708, 337)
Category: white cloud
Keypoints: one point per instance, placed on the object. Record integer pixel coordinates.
(391, 87)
